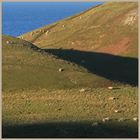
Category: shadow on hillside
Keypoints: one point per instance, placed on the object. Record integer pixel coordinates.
(71, 130)
(117, 68)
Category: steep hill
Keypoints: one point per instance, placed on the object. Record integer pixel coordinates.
(109, 28)
(55, 79)
(25, 66)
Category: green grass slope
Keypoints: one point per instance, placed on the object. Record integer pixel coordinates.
(109, 28)
(25, 67)
(95, 49)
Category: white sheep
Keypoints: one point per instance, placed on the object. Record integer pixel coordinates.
(116, 111)
(7, 42)
(61, 69)
(47, 32)
(110, 88)
(105, 119)
(135, 119)
(82, 90)
(111, 98)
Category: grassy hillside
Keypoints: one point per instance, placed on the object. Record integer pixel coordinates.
(106, 32)
(55, 79)
(27, 67)
(109, 28)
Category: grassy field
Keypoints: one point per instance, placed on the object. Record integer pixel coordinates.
(58, 86)
(70, 112)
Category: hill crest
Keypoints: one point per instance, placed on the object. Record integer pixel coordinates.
(102, 26)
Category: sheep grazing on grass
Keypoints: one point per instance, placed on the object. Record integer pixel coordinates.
(10, 42)
(111, 98)
(80, 17)
(82, 90)
(135, 119)
(63, 26)
(7, 42)
(47, 32)
(105, 119)
(116, 111)
(61, 69)
(110, 88)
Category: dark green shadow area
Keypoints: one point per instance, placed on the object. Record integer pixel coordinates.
(116, 68)
(112, 67)
(72, 130)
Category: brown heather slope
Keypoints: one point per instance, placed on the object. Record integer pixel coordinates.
(109, 28)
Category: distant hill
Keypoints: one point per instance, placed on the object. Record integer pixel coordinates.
(110, 28)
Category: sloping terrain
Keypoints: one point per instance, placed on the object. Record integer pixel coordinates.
(109, 28)
(27, 67)
(55, 78)
(106, 32)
